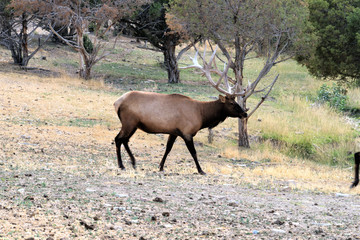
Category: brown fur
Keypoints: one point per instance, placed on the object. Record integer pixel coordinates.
(172, 114)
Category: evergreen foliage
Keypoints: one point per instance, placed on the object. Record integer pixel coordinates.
(337, 51)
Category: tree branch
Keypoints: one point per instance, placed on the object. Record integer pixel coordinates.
(264, 97)
(77, 48)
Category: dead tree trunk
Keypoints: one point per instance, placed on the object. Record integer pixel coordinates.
(243, 140)
(170, 62)
(24, 42)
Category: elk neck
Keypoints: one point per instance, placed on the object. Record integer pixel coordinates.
(212, 113)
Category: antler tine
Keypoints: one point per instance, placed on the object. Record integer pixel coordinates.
(204, 54)
(213, 55)
(207, 68)
(195, 62)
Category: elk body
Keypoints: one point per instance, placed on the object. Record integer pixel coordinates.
(357, 163)
(173, 114)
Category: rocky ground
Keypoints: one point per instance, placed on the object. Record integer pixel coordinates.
(55, 205)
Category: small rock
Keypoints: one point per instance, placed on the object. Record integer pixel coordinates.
(90, 190)
(153, 218)
(120, 208)
(255, 232)
(127, 222)
(29, 198)
(157, 199)
(341, 195)
(286, 189)
(279, 222)
(321, 224)
(121, 195)
(25, 137)
(279, 231)
(233, 204)
(167, 225)
(116, 227)
(166, 214)
(87, 226)
(318, 231)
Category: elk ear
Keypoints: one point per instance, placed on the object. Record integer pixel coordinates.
(222, 99)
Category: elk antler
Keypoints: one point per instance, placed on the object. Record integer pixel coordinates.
(210, 67)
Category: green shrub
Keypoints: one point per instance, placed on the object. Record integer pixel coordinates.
(335, 96)
(88, 45)
(92, 27)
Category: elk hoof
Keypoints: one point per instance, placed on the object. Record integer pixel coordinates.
(122, 168)
(354, 184)
(202, 173)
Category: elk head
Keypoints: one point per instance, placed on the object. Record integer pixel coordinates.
(232, 108)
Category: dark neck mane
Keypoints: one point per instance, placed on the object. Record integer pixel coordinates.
(212, 113)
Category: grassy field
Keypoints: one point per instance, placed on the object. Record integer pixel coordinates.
(57, 136)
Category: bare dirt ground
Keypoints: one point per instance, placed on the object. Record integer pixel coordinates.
(166, 207)
(59, 179)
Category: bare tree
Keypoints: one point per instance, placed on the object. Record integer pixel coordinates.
(19, 20)
(243, 29)
(79, 14)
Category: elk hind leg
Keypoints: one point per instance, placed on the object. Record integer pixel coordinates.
(123, 138)
(169, 146)
(357, 163)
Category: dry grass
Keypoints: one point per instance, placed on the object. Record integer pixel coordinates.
(312, 129)
(354, 97)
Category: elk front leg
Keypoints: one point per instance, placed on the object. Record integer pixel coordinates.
(190, 145)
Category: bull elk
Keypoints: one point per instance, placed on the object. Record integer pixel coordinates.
(173, 114)
(178, 115)
(357, 163)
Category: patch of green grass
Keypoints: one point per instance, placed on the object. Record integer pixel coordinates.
(82, 122)
(65, 63)
(116, 70)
